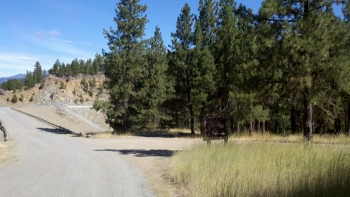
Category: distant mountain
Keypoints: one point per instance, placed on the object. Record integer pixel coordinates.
(19, 76)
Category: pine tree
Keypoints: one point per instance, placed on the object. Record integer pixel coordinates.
(81, 66)
(29, 80)
(312, 40)
(203, 69)
(124, 62)
(75, 67)
(181, 59)
(38, 73)
(154, 84)
(208, 19)
(54, 69)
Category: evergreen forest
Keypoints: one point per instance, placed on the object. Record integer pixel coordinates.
(285, 69)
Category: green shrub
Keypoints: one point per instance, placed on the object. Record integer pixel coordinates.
(91, 93)
(81, 99)
(41, 86)
(62, 86)
(21, 98)
(14, 99)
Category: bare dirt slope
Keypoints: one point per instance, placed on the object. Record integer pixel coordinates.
(51, 164)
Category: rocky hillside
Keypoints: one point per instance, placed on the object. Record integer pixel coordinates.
(73, 92)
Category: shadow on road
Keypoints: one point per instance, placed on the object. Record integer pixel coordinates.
(142, 152)
(56, 131)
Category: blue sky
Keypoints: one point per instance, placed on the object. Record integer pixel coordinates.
(46, 30)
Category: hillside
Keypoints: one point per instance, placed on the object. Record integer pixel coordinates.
(52, 94)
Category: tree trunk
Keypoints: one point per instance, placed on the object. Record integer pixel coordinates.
(337, 125)
(192, 119)
(348, 121)
(125, 117)
(238, 128)
(258, 126)
(263, 127)
(307, 116)
(293, 120)
(250, 127)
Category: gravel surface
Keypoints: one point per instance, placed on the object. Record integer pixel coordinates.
(52, 164)
(60, 116)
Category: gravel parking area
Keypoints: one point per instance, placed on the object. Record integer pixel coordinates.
(151, 155)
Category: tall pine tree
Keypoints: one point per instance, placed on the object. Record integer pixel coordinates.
(124, 62)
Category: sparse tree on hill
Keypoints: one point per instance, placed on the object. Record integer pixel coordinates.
(38, 73)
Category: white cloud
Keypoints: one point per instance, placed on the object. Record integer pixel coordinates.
(55, 33)
(68, 41)
(15, 63)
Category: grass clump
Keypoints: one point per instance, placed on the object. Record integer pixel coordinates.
(264, 169)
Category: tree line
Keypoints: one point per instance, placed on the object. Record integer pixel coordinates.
(30, 80)
(88, 67)
(285, 69)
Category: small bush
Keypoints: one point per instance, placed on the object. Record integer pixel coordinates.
(91, 93)
(74, 91)
(68, 79)
(8, 99)
(41, 86)
(14, 99)
(81, 99)
(31, 99)
(63, 86)
(85, 84)
(21, 98)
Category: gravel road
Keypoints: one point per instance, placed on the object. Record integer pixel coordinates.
(51, 164)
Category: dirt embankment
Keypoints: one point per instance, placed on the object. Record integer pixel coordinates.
(53, 94)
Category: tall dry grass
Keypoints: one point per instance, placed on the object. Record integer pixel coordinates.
(296, 138)
(264, 169)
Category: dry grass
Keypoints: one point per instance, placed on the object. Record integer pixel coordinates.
(297, 138)
(266, 169)
(173, 133)
(108, 135)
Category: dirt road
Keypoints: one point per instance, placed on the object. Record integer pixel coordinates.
(49, 163)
